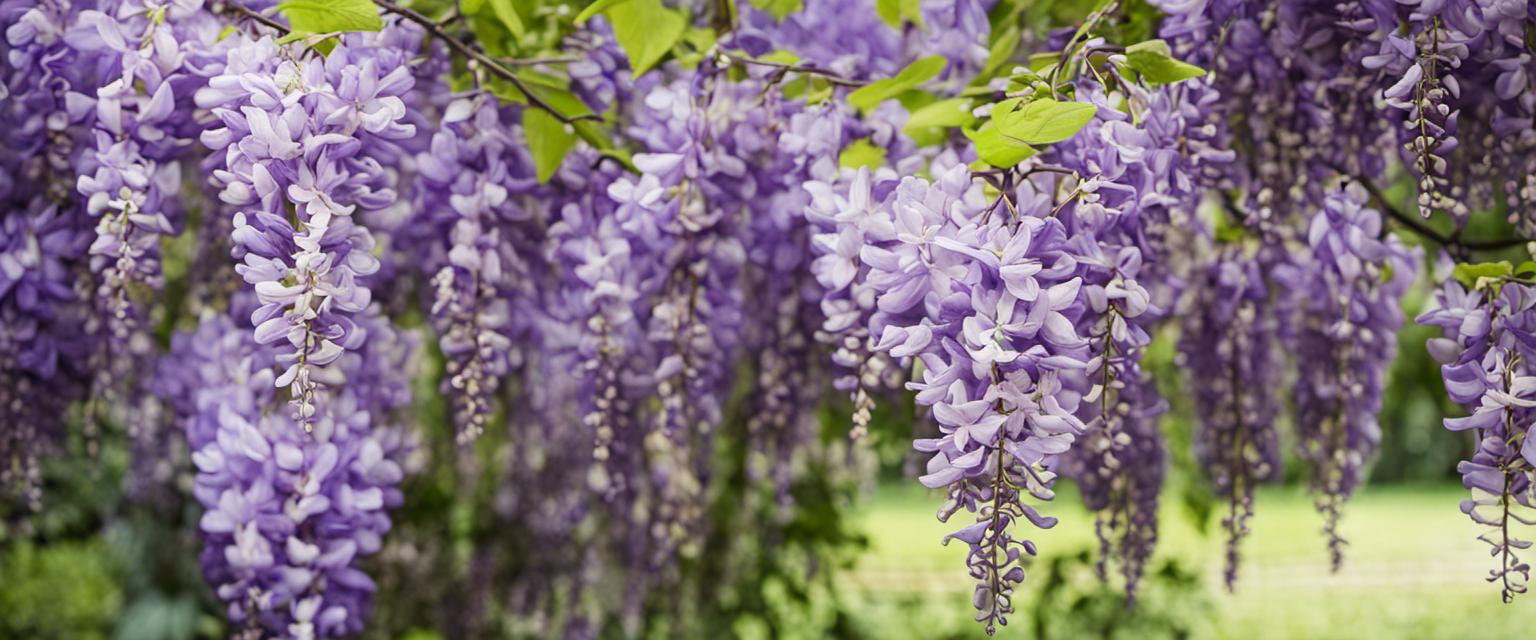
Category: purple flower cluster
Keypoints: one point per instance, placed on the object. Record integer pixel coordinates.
(1228, 344)
(287, 513)
(846, 210)
(1131, 188)
(44, 319)
(986, 303)
(1349, 313)
(150, 57)
(601, 78)
(958, 30)
(1294, 71)
(1442, 59)
(1120, 463)
(311, 137)
(468, 176)
(1485, 353)
(1329, 87)
(600, 296)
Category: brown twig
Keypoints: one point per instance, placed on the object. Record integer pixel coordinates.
(528, 62)
(797, 68)
(1417, 226)
(488, 62)
(246, 12)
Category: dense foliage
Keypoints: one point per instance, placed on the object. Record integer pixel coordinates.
(604, 300)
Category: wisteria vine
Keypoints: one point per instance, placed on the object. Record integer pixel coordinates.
(616, 238)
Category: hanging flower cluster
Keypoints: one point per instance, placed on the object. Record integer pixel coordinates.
(44, 238)
(468, 176)
(1331, 93)
(306, 137)
(288, 514)
(1484, 353)
(1349, 313)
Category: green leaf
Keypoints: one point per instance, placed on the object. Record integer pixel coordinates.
(1526, 268)
(325, 43)
(1040, 62)
(559, 98)
(548, 140)
(778, 8)
(646, 30)
(997, 149)
(595, 8)
(1156, 64)
(547, 80)
(1044, 121)
(781, 56)
(508, 16)
(894, 11)
(871, 95)
(329, 16)
(700, 38)
(1003, 47)
(861, 154)
(821, 91)
(471, 7)
(954, 112)
(1478, 276)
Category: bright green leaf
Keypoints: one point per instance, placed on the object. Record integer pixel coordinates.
(1003, 47)
(1474, 275)
(781, 57)
(561, 99)
(778, 8)
(997, 149)
(871, 95)
(954, 112)
(598, 6)
(1156, 64)
(861, 154)
(508, 16)
(646, 30)
(894, 11)
(328, 16)
(1044, 121)
(821, 91)
(700, 38)
(549, 140)
(470, 7)
(535, 77)
(1041, 62)
(889, 11)
(912, 10)
(1525, 268)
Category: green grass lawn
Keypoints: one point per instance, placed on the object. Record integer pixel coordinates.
(1413, 570)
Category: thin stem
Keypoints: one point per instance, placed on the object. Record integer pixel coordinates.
(528, 62)
(488, 62)
(1417, 226)
(247, 12)
(798, 68)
